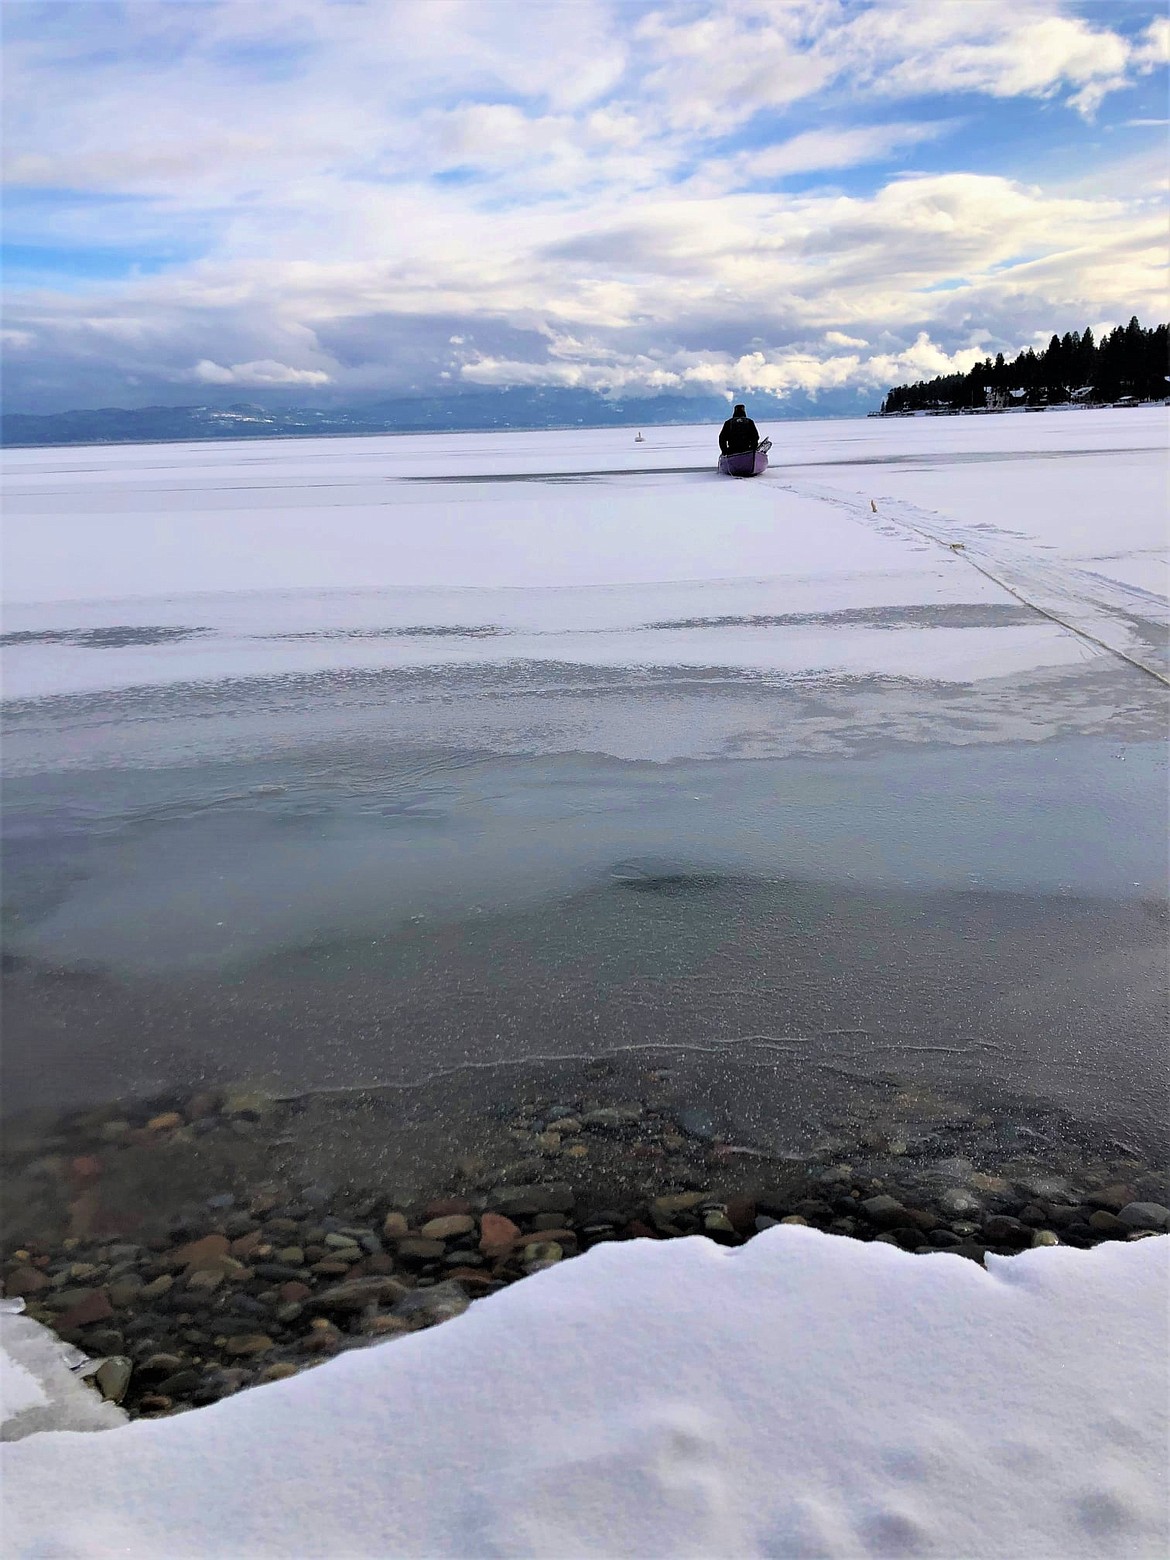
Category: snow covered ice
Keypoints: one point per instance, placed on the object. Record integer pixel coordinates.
(803, 1395)
(659, 562)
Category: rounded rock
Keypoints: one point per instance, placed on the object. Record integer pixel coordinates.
(1145, 1216)
(248, 1345)
(541, 1254)
(280, 1371)
(883, 1210)
(448, 1227)
(112, 1377)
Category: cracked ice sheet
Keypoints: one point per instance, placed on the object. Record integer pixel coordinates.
(802, 1395)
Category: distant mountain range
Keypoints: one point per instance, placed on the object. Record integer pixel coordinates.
(502, 409)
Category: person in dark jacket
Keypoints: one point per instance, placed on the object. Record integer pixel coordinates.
(738, 433)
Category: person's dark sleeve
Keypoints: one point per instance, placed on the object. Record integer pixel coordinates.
(755, 430)
(723, 438)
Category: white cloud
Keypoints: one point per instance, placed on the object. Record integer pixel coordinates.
(1004, 48)
(777, 372)
(815, 151)
(375, 196)
(255, 375)
(1155, 47)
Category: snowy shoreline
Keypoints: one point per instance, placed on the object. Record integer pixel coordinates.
(182, 1240)
(802, 1395)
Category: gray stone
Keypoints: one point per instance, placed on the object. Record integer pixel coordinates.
(104, 1340)
(112, 1377)
(417, 1248)
(1112, 1198)
(438, 1303)
(524, 1201)
(1105, 1223)
(125, 1290)
(358, 1293)
(884, 1211)
(613, 1116)
(943, 1239)
(182, 1382)
(1000, 1230)
(1145, 1216)
(235, 1326)
(162, 1364)
(1050, 1189)
(64, 1299)
(956, 1202)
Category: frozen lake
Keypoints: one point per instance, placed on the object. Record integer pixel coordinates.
(347, 762)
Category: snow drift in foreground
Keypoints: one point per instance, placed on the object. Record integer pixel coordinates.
(803, 1395)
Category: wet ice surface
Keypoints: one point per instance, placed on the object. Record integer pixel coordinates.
(320, 772)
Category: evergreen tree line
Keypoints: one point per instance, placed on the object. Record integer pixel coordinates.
(1129, 361)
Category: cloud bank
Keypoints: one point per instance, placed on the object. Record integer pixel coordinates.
(792, 196)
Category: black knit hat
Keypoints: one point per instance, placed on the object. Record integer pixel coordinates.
(739, 410)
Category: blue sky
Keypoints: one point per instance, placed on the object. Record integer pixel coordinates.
(331, 199)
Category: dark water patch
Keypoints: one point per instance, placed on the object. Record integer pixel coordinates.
(923, 461)
(413, 631)
(564, 476)
(120, 638)
(646, 878)
(987, 614)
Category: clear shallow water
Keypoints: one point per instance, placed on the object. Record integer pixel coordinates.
(968, 918)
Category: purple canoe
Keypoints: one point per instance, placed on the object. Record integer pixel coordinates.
(750, 463)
